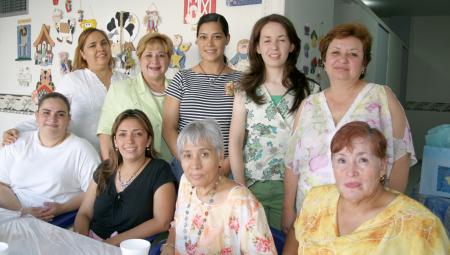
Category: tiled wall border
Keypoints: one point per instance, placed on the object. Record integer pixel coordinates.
(20, 104)
(427, 106)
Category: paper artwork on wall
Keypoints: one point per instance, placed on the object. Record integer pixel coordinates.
(314, 38)
(24, 76)
(194, 9)
(122, 29)
(65, 30)
(65, 64)
(44, 45)
(306, 49)
(313, 65)
(242, 2)
(23, 42)
(43, 86)
(307, 29)
(240, 60)
(151, 19)
(21, 104)
(68, 5)
(178, 58)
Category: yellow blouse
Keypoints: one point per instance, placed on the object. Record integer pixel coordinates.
(403, 227)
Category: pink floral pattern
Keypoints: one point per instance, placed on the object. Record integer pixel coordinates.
(235, 226)
(308, 153)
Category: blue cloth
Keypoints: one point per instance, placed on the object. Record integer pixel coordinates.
(176, 168)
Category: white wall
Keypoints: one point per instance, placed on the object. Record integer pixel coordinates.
(428, 74)
(319, 15)
(241, 20)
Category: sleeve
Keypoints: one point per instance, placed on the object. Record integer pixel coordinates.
(251, 225)
(164, 175)
(89, 161)
(27, 125)
(110, 110)
(6, 161)
(428, 238)
(405, 145)
(176, 87)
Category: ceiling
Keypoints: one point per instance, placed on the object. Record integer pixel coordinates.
(388, 8)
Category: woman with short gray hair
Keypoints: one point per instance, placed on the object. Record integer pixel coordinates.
(214, 215)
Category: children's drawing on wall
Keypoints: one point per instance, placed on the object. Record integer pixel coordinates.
(306, 50)
(314, 38)
(122, 30)
(242, 2)
(313, 65)
(151, 19)
(17, 104)
(44, 45)
(65, 64)
(178, 58)
(23, 42)
(43, 86)
(240, 60)
(24, 76)
(194, 9)
(88, 23)
(307, 29)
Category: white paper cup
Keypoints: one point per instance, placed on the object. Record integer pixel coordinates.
(4, 247)
(135, 247)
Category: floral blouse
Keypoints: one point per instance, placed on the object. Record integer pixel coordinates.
(235, 226)
(268, 127)
(403, 227)
(308, 152)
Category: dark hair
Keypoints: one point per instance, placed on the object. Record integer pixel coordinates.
(293, 79)
(345, 136)
(54, 95)
(214, 17)
(346, 30)
(110, 166)
(78, 61)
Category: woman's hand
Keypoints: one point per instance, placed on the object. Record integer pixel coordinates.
(10, 136)
(116, 240)
(287, 219)
(167, 249)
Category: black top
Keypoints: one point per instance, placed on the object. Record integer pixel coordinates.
(134, 205)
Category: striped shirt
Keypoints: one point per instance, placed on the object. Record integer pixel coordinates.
(202, 96)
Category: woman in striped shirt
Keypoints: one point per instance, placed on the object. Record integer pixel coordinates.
(201, 92)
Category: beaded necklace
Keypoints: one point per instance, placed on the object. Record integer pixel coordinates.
(188, 242)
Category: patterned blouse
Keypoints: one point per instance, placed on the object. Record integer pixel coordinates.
(308, 152)
(235, 226)
(403, 227)
(268, 127)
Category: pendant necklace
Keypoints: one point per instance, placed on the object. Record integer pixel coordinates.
(124, 184)
(212, 80)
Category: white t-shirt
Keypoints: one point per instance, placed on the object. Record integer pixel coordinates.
(86, 94)
(37, 174)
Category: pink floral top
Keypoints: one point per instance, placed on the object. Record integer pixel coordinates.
(238, 225)
(308, 153)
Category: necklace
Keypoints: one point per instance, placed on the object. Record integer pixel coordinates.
(124, 185)
(197, 222)
(212, 80)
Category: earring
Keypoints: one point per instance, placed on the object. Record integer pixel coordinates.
(363, 71)
(383, 179)
(116, 149)
(148, 148)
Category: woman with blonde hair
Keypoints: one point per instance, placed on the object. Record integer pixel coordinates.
(85, 86)
(146, 92)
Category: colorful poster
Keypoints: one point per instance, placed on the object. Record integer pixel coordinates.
(194, 9)
(23, 42)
